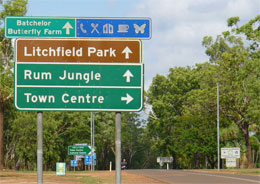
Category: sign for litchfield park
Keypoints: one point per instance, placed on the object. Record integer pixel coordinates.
(78, 75)
(78, 50)
(71, 27)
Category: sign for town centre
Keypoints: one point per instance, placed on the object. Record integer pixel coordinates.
(78, 75)
(69, 27)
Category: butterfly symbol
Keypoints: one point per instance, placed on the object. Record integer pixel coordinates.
(139, 28)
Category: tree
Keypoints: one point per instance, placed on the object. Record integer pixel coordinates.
(238, 67)
(167, 95)
(104, 138)
(131, 139)
(10, 8)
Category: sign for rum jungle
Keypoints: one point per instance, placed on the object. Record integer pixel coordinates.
(78, 87)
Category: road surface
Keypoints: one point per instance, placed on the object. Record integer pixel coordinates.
(196, 177)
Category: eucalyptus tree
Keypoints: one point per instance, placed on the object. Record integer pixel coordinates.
(167, 95)
(238, 66)
(9, 8)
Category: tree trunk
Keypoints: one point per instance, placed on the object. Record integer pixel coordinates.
(248, 150)
(1, 136)
(175, 162)
(197, 161)
(244, 127)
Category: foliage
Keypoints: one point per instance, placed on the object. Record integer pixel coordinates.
(184, 102)
(238, 69)
(10, 8)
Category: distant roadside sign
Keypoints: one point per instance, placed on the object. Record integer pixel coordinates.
(78, 157)
(88, 159)
(60, 168)
(73, 163)
(231, 162)
(230, 152)
(164, 159)
(78, 150)
(71, 27)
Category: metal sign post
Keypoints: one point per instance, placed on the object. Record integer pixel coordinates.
(39, 147)
(93, 141)
(118, 147)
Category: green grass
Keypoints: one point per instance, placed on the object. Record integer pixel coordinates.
(70, 175)
(243, 171)
(237, 171)
(86, 179)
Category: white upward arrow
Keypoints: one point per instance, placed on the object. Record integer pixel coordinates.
(128, 98)
(128, 74)
(67, 26)
(126, 51)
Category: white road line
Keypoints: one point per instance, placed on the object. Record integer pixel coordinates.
(225, 177)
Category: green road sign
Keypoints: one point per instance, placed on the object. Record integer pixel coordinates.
(78, 99)
(79, 150)
(40, 27)
(78, 87)
(75, 74)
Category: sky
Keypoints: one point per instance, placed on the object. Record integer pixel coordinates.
(178, 26)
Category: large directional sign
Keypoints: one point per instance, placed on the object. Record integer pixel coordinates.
(78, 87)
(78, 75)
(66, 27)
(78, 50)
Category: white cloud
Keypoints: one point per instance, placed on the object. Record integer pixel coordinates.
(243, 8)
(178, 28)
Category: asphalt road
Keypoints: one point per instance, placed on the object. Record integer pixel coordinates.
(195, 177)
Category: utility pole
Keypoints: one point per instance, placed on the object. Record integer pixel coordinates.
(218, 122)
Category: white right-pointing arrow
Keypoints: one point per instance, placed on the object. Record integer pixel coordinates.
(128, 98)
(128, 74)
(126, 51)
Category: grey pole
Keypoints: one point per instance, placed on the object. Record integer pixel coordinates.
(218, 122)
(118, 147)
(39, 147)
(93, 138)
(91, 165)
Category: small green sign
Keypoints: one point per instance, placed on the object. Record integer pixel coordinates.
(79, 150)
(40, 27)
(60, 168)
